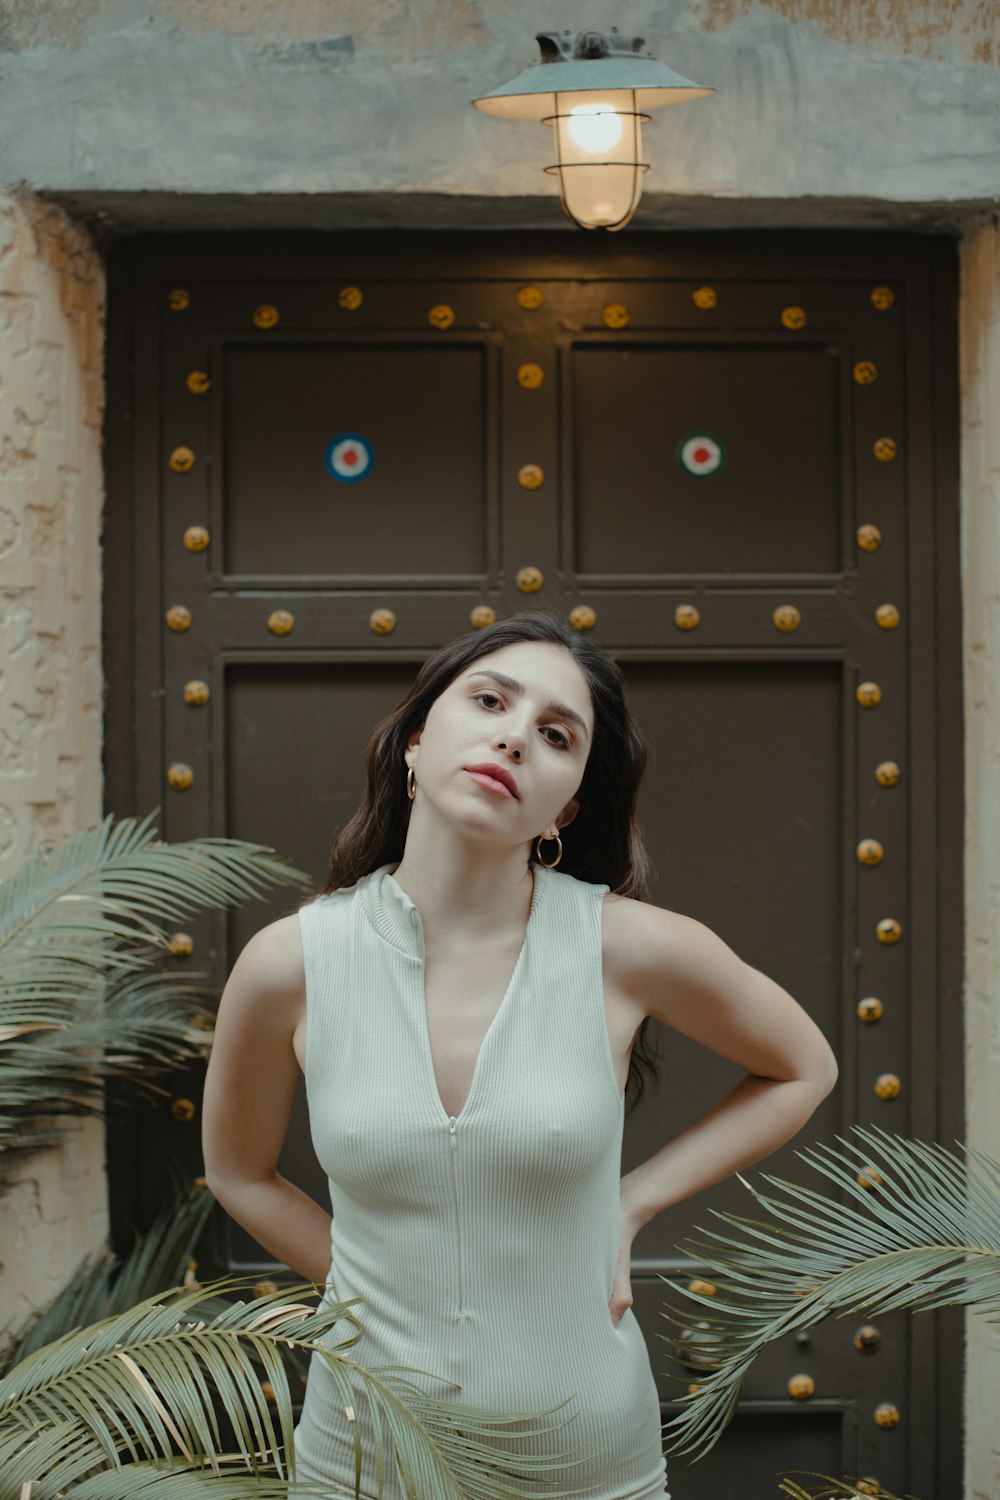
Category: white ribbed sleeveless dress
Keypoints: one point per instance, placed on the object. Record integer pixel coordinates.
(484, 1245)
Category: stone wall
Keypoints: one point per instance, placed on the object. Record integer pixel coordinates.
(980, 376)
(51, 498)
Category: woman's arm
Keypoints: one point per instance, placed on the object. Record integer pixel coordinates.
(676, 969)
(249, 1089)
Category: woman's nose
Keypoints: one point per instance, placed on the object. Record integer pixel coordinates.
(511, 740)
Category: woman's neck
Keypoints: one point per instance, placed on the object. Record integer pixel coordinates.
(464, 881)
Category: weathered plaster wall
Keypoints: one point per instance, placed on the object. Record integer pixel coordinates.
(980, 374)
(889, 100)
(51, 496)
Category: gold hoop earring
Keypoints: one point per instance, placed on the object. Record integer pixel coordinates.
(411, 784)
(542, 839)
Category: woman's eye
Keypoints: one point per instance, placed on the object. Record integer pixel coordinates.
(561, 740)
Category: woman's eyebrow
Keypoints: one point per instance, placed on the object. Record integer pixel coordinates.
(518, 688)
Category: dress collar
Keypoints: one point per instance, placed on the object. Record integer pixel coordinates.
(394, 914)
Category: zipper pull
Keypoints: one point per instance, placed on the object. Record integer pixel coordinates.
(452, 1121)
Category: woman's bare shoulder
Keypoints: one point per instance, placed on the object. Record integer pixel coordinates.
(272, 959)
(638, 936)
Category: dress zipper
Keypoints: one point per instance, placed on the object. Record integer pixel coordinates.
(452, 1122)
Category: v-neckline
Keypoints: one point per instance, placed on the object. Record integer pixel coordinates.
(538, 882)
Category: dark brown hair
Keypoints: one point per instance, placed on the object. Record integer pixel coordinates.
(604, 843)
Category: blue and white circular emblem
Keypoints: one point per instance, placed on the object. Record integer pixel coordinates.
(349, 458)
(701, 454)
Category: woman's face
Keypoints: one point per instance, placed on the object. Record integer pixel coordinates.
(539, 731)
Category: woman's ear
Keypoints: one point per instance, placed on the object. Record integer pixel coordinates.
(568, 813)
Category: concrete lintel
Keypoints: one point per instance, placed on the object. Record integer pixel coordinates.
(110, 215)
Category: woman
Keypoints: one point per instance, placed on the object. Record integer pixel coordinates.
(468, 997)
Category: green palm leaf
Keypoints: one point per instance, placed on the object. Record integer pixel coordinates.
(142, 1386)
(77, 924)
(927, 1236)
(833, 1489)
(106, 1285)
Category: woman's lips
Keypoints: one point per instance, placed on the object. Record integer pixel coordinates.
(491, 784)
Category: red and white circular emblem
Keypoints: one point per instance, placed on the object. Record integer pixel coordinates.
(701, 454)
(349, 457)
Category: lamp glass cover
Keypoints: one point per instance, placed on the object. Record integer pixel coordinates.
(598, 156)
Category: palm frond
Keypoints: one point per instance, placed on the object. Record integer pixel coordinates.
(143, 1385)
(927, 1235)
(107, 892)
(161, 1481)
(105, 1285)
(77, 924)
(834, 1489)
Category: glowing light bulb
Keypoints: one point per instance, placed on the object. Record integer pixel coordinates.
(594, 128)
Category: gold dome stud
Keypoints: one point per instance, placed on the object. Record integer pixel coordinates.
(266, 315)
(869, 537)
(869, 694)
(530, 477)
(183, 1110)
(441, 315)
(888, 1086)
(887, 617)
(267, 1391)
(199, 1184)
(801, 1387)
(889, 930)
(530, 297)
(686, 616)
(867, 1338)
(615, 315)
(865, 372)
(870, 852)
(179, 617)
(885, 449)
(530, 376)
(887, 773)
(280, 622)
(382, 621)
(705, 297)
(702, 1288)
(198, 382)
(868, 1486)
(181, 944)
(264, 1289)
(793, 317)
(196, 692)
(181, 460)
(870, 1009)
(179, 299)
(887, 1415)
(529, 580)
(869, 1177)
(196, 538)
(694, 1386)
(582, 617)
(882, 297)
(786, 617)
(350, 298)
(482, 616)
(179, 776)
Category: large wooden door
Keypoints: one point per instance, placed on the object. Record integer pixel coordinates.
(733, 459)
